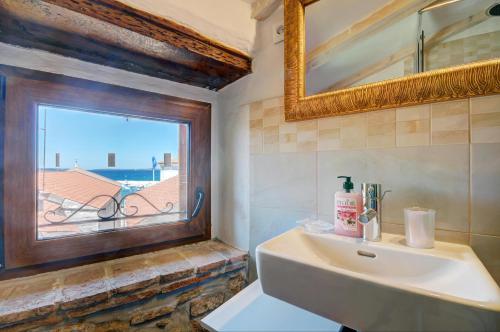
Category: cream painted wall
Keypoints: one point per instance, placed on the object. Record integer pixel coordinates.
(228, 21)
(266, 81)
(395, 70)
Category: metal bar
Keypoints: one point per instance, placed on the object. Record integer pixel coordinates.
(120, 213)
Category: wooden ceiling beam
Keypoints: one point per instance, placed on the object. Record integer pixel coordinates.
(262, 9)
(372, 69)
(308, 2)
(110, 33)
(456, 27)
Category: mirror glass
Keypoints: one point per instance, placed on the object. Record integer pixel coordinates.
(354, 42)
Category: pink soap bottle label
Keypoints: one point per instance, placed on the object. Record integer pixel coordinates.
(347, 214)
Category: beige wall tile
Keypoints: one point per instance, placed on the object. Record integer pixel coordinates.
(307, 135)
(270, 126)
(381, 141)
(451, 236)
(393, 228)
(256, 141)
(270, 141)
(329, 139)
(487, 249)
(270, 134)
(485, 119)
(288, 137)
(418, 173)
(441, 235)
(419, 112)
(256, 125)
(270, 148)
(381, 129)
(329, 134)
(383, 116)
(271, 117)
(329, 123)
(450, 137)
(284, 180)
(485, 189)
(256, 111)
(272, 102)
(485, 134)
(434, 177)
(450, 122)
(353, 131)
(413, 126)
(487, 104)
(413, 133)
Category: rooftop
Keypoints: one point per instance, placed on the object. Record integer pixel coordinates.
(79, 186)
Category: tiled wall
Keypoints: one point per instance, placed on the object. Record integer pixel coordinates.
(465, 50)
(444, 156)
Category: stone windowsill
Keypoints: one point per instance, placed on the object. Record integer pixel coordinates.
(80, 291)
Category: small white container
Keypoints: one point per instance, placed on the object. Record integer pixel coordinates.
(419, 227)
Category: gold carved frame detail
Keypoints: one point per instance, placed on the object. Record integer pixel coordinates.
(470, 80)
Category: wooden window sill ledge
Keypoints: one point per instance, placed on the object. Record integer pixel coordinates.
(83, 290)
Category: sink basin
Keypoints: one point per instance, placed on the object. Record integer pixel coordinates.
(382, 285)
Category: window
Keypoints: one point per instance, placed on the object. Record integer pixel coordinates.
(82, 188)
(91, 169)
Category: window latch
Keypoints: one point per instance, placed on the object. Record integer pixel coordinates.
(200, 197)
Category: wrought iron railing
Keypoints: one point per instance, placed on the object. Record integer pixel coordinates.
(119, 210)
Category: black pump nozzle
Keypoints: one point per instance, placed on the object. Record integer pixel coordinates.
(348, 185)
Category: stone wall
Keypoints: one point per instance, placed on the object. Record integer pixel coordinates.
(167, 290)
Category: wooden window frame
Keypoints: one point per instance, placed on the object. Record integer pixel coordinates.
(25, 89)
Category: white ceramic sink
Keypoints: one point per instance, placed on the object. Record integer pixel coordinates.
(381, 286)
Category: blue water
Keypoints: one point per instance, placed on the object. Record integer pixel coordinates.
(128, 174)
(123, 175)
(120, 174)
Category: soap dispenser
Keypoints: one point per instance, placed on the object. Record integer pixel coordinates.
(348, 207)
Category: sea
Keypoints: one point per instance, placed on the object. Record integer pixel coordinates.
(128, 174)
(123, 175)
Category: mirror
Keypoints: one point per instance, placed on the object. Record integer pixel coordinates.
(377, 40)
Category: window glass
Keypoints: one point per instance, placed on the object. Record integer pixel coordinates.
(102, 172)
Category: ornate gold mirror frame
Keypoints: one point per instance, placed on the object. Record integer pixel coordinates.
(475, 79)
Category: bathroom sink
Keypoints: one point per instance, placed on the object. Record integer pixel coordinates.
(380, 285)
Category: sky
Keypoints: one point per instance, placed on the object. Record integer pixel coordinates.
(89, 137)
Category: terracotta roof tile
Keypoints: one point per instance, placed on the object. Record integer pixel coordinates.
(79, 186)
(158, 194)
